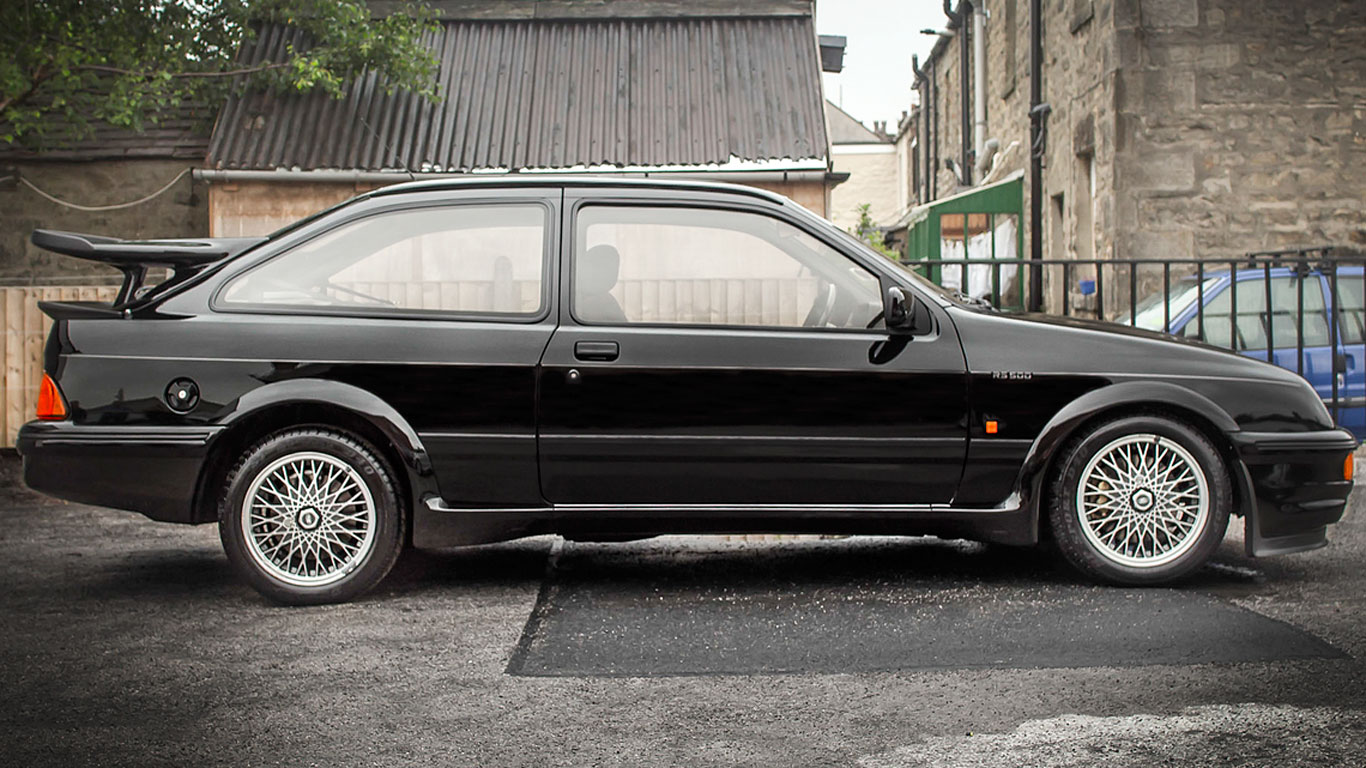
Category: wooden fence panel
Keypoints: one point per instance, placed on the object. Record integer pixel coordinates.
(23, 340)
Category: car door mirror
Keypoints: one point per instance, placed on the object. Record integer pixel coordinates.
(907, 314)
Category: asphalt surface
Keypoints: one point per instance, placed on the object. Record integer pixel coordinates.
(128, 642)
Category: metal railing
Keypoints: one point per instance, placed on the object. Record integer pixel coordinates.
(1249, 304)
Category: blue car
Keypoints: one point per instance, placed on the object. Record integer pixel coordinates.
(1324, 358)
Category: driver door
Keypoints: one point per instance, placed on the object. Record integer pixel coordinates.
(711, 356)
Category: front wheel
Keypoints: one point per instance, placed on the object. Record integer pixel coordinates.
(310, 516)
(1140, 500)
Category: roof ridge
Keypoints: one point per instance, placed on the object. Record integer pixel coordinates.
(544, 10)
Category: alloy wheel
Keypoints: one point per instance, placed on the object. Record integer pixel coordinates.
(308, 519)
(1143, 500)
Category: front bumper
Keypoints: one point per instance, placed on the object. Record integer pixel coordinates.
(152, 470)
(1293, 487)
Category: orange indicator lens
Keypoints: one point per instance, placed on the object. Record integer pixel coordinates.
(1348, 467)
(51, 406)
(992, 427)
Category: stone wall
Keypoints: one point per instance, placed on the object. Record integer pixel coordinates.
(1242, 125)
(1179, 129)
(182, 211)
(1079, 85)
(948, 119)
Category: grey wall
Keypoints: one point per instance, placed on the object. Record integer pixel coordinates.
(181, 211)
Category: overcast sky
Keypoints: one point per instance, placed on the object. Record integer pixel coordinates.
(876, 81)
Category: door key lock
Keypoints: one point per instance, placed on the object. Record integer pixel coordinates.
(573, 377)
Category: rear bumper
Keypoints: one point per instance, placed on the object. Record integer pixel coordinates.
(152, 470)
(1293, 487)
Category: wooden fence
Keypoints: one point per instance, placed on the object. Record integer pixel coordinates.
(26, 330)
(725, 301)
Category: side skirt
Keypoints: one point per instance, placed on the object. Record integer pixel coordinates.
(438, 525)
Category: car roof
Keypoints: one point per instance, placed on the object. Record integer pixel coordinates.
(557, 180)
(1254, 271)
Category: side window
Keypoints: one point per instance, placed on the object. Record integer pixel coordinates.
(1251, 323)
(1351, 303)
(711, 267)
(485, 259)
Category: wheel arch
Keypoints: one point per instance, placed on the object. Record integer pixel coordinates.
(1128, 398)
(314, 402)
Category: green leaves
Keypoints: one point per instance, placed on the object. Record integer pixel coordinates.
(868, 231)
(125, 63)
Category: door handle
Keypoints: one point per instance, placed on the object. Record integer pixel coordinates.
(596, 350)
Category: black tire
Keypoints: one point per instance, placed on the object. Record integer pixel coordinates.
(353, 537)
(1111, 531)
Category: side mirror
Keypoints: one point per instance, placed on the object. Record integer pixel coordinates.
(907, 314)
(898, 313)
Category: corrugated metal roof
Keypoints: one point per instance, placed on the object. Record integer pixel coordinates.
(553, 94)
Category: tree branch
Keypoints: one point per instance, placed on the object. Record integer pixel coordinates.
(225, 73)
(38, 77)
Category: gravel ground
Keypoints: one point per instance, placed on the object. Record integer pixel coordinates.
(128, 642)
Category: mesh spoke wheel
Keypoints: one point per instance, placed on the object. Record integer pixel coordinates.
(308, 519)
(1142, 501)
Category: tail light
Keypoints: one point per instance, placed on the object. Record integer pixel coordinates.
(51, 404)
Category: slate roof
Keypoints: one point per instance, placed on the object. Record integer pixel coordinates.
(559, 90)
(846, 129)
(180, 134)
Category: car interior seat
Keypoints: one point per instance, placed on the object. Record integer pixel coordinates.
(595, 276)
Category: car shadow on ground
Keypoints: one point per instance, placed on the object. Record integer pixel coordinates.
(771, 562)
(702, 563)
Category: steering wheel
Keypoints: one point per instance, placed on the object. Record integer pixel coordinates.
(821, 308)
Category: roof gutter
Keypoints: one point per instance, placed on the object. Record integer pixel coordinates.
(211, 176)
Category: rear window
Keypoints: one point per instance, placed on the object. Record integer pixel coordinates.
(471, 259)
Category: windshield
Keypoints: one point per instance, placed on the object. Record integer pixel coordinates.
(1149, 313)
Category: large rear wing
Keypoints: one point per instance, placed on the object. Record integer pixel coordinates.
(134, 257)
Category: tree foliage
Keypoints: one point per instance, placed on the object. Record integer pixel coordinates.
(71, 63)
(867, 230)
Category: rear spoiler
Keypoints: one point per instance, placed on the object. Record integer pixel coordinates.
(135, 257)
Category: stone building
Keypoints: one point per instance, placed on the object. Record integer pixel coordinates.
(1174, 129)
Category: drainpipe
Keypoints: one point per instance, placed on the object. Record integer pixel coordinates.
(1037, 115)
(959, 23)
(979, 78)
(934, 138)
(923, 129)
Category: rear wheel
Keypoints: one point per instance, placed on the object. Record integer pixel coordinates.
(311, 516)
(1140, 500)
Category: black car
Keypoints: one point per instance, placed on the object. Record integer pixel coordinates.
(457, 362)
